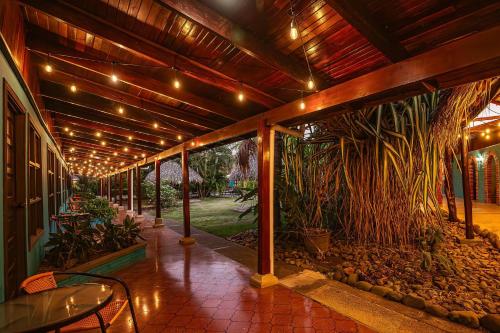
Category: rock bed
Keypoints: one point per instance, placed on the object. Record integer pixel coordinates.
(470, 292)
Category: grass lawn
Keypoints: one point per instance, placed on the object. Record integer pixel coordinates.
(214, 215)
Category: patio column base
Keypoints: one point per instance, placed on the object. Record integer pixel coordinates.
(130, 213)
(158, 223)
(187, 241)
(263, 281)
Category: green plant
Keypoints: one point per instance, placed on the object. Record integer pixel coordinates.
(248, 195)
(71, 244)
(168, 194)
(430, 243)
(116, 236)
(99, 209)
(213, 165)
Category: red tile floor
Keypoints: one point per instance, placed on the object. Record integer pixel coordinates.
(194, 289)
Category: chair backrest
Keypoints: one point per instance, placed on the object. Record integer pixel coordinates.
(39, 282)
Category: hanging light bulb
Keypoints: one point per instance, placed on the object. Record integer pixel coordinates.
(162, 142)
(125, 149)
(310, 84)
(71, 133)
(135, 156)
(48, 68)
(294, 32)
(66, 129)
(103, 143)
(155, 125)
(143, 155)
(98, 134)
(73, 88)
(487, 137)
(120, 110)
(487, 130)
(179, 137)
(114, 78)
(241, 96)
(302, 105)
(130, 138)
(115, 154)
(176, 82)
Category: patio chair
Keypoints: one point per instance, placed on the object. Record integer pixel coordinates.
(46, 281)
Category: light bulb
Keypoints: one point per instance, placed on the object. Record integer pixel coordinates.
(130, 138)
(162, 142)
(143, 155)
(487, 137)
(483, 134)
(115, 154)
(294, 33)
(179, 137)
(192, 143)
(302, 105)
(487, 130)
(103, 143)
(48, 68)
(98, 134)
(125, 149)
(135, 156)
(310, 84)
(120, 110)
(241, 96)
(114, 78)
(177, 83)
(155, 125)
(71, 133)
(73, 88)
(66, 129)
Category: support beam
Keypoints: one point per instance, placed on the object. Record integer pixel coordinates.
(265, 266)
(242, 39)
(158, 219)
(130, 195)
(466, 60)
(187, 239)
(469, 231)
(120, 192)
(146, 48)
(138, 190)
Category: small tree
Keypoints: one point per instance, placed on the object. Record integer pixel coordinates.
(168, 194)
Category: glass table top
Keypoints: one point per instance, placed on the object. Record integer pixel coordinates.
(53, 307)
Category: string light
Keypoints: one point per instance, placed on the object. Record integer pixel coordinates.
(155, 125)
(130, 138)
(143, 155)
(48, 68)
(487, 130)
(302, 105)
(114, 78)
(487, 137)
(162, 142)
(176, 82)
(179, 137)
(115, 154)
(103, 143)
(98, 134)
(71, 133)
(241, 96)
(310, 84)
(120, 110)
(125, 149)
(93, 151)
(135, 156)
(73, 88)
(192, 143)
(66, 129)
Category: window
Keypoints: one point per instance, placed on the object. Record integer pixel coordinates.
(35, 202)
(51, 180)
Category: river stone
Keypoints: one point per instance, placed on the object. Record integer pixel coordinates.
(338, 275)
(468, 318)
(352, 279)
(414, 301)
(477, 228)
(364, 285)
(484, 233)
(380, 290)
(394, 296)
(491, 322)
(436, 310)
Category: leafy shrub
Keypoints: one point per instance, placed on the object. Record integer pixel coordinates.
(71, 244)
(99, 209)
(168, 194)
(430, 245)
(117, 236)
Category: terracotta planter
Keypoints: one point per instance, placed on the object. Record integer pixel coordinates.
(317, 241)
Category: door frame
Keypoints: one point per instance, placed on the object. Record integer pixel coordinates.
(20, 139)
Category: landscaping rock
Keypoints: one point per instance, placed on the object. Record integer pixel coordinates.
(394, 296)
(477, 228)
(338, 275)
(468, 318)
(363, 285)
(414, 301)
(349, 270)
(436, 310)
(352, 279)
(484, 233)
(380, 290)
(491, 322)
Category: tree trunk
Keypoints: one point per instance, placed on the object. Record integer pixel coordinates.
(448, 185)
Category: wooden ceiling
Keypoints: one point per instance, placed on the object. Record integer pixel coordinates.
(215, 49)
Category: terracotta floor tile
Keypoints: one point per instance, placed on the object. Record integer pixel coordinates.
(199, 322)
(281, 319)
(345, 326)
(238, 327)
(242, 315)
(218, 325)
(180, 321)
(223, 314)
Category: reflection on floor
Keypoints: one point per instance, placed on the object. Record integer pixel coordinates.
(486, 215)
(194, 289)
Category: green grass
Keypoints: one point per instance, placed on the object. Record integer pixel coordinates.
(214, 215)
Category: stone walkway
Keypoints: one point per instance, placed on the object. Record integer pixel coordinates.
(195, 289)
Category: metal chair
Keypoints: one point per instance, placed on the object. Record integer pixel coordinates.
(103, 319)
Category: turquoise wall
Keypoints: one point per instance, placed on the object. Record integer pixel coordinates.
(11, 74)
(457, 176)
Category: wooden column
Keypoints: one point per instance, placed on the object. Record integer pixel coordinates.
(469, 232)
(265, 268)
(138, 190)
(120, 190)
(187, 239)
(130, 195)
(158, 220)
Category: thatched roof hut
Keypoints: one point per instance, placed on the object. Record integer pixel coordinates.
(237, 174)
(172, 172)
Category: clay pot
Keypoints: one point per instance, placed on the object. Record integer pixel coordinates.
(317, 240)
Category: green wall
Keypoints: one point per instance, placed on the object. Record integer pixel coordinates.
(10, 73)
(457, 176)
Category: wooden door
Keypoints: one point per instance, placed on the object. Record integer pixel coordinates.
(14, 225)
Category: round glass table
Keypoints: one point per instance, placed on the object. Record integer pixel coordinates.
(54, 308)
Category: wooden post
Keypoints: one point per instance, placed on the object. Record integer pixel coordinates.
(158, 219)
(449, 187)
(129, 189)
(265, 270)
(187, 239)
(138, 190)
(120, 190)
(469, 232)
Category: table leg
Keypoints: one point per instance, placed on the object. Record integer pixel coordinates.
(101, 322)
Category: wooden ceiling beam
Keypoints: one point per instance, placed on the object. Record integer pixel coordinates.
(357, 15)
(64, 73)
(44, 45)
(124, 38)
(70, 121)
(474, 57)
(68, 108)
(101, 152)
(60, 93)
(243, 39)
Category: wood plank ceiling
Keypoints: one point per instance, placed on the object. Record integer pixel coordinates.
(215, 49)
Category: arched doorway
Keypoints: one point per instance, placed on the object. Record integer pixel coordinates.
(491, 179)
(473, 178)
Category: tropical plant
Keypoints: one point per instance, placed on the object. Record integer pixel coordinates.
(430, 243)
(248, 196)
(213, 165)
(86, 186)
(99, 209)
(71, 244)
(119, 236)
(168, 194)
